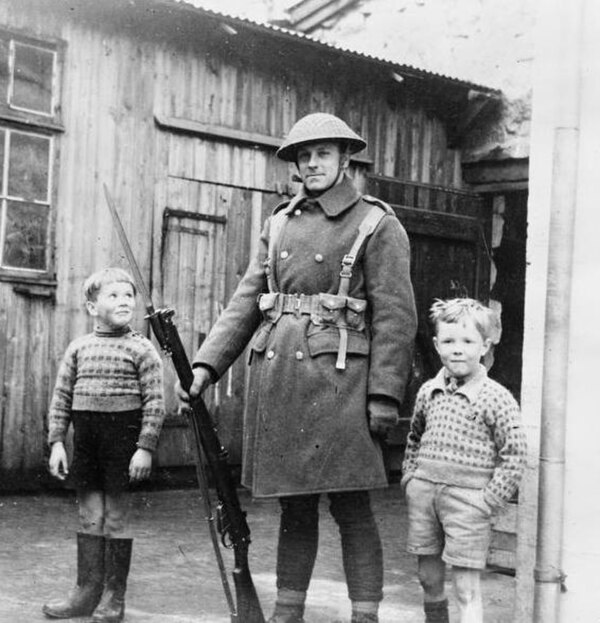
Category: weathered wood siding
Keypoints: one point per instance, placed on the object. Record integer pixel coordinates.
(118, 76)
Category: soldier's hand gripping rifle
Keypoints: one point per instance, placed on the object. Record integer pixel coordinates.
(233, 527)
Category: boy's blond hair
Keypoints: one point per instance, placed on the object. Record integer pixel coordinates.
(95, 281)
(484, 318)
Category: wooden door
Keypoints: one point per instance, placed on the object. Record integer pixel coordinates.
(450, 237)
(203, 255)
(192, 258)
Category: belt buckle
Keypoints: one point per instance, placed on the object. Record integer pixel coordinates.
(298, 305)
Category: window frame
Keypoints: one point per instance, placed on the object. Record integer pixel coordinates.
(38, 123)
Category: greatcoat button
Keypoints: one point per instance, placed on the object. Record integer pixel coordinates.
(318, 258)
(284, 255)
(271, 354)
(299, 355)
(297, 211)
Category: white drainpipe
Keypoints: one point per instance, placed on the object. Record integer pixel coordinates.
(566, 68)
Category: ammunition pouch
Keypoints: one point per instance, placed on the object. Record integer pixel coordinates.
(325, 310)
(270, 307)
(341, 311)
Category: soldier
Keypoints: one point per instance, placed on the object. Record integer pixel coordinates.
(328, 312)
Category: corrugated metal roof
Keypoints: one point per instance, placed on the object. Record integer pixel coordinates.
(302, 38)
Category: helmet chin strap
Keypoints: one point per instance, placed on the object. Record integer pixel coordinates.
(339, 177)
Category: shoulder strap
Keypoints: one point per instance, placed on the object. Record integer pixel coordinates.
(378, 202)
(366, 228)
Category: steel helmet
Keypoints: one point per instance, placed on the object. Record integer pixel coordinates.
(319, 126)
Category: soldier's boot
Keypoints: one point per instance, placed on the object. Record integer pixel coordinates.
(436, 611)
(287, 614)
(117, 560)
(85, 595)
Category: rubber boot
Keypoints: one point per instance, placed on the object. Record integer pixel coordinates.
(84, 597)
(117, 558)
(436, 611)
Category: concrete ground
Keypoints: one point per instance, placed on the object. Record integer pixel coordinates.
(174, 576)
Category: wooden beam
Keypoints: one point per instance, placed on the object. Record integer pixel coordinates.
(189, 126)
(228, 134)
(507, 170)
(32, 123)
(500, 187)
(438, 224)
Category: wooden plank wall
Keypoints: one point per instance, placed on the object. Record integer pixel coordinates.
(115, 81)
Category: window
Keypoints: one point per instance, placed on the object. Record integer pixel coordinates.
(29, 126)
(25, 193)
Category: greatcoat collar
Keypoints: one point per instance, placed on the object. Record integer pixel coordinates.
(333, 201)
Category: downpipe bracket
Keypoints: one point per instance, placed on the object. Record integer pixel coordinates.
(551, 576)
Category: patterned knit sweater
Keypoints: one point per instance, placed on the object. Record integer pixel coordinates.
(469, 436)
(109, 372)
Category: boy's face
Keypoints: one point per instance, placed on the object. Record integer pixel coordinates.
(460, 347)
(114, 305)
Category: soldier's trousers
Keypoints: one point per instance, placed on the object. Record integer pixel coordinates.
(361, 546)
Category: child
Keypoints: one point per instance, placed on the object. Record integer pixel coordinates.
(465, 456)
(110, 386)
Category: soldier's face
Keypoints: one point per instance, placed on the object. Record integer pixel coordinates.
(320, 166)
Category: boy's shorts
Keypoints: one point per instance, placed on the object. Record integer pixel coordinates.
(103, 444)
(448, 520)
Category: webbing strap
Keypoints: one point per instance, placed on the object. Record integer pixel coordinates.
(277, 223)
(366, 228)
(278, 220)
(340, 363)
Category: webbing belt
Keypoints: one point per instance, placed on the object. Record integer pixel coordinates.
(298, 303)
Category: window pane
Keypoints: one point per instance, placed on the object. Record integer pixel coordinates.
(4, 74)
(28, 166)
(32, 87)
(26, 236)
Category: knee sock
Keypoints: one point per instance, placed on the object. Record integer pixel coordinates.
(436, 611)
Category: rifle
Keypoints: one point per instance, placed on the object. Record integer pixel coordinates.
(231, 523)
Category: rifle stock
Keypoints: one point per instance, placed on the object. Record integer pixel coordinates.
(233, 524)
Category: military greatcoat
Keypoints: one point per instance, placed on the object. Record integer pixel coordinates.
(305, 423)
